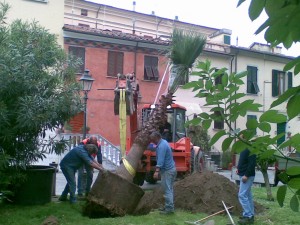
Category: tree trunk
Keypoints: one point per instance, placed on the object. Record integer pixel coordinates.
(267, 183)
(115, 194)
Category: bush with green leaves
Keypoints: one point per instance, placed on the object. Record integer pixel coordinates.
(38, 92)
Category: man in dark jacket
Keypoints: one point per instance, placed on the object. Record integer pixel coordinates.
(246, 171)
(72, 161)
(84, 181)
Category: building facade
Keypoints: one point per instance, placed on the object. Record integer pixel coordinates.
(110, 40)
(48, 13)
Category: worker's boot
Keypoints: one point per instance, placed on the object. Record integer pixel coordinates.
(247, 220)
(63, 198)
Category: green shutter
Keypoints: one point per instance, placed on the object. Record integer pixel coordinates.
(249, 79)
(274, 83)
(281, 129)
(290, 80)
(227, 39)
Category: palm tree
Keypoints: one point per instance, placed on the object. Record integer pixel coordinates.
(185, 47)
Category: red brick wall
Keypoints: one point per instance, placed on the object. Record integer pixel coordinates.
(100, 111)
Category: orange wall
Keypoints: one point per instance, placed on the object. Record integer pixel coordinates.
(100, 111)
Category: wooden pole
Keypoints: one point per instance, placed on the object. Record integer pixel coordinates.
(219, 212)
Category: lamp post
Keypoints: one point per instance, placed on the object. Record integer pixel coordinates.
(86, 82)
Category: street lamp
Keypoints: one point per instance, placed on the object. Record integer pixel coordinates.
(86, 82)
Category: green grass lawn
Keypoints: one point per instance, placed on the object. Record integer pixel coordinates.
(71, 214)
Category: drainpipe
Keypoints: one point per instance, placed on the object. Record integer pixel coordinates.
(97, 15)
(157, 25)
(231, 69)
(135, 56)
(235, 70)
(234, 157)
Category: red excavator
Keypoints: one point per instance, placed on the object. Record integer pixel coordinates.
(187, 158)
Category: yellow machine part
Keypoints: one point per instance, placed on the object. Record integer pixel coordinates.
(122, 121)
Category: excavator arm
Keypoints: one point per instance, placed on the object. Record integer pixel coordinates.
(125, 103)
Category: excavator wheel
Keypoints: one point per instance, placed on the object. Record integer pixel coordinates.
(149, 177)
(197, 160)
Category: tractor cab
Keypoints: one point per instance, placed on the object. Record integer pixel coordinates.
(175, 133)
(174, 128)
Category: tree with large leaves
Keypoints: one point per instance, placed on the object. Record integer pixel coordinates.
(281, 27)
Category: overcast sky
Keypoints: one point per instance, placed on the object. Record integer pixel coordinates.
(210, 13)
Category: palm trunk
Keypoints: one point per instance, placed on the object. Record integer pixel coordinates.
(142, 140)
(115, 194)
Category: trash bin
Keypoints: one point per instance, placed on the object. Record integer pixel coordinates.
(55, 165)
(36, 189)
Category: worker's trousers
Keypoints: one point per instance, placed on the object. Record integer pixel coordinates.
(84, 182)
(69, 174)
(245, 197)
(167, 181)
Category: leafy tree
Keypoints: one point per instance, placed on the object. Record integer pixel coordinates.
(281, 27)
(227, 99)
(38, 92)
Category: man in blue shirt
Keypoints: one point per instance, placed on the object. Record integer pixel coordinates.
(246, 171)
(73, 160)
(165, 165)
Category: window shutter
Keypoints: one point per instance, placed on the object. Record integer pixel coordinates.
(119, 65)
(274, 83)
(249, 79)
(281, 129)
(79, 52)
(115, 63)
(290, 80)
(227, 39)
(151, 68)
(110, 64)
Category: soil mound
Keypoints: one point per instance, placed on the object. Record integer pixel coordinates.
(199, 192)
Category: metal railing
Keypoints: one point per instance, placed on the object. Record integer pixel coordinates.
(110, 153)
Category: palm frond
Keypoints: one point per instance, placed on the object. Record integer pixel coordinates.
(185, 48)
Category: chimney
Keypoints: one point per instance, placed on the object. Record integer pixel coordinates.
(133, 4)
(176, 17)
(133, 26)
(153, 13)
(237, 41)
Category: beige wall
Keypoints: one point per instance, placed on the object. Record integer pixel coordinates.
(49, 14)
(106, 17)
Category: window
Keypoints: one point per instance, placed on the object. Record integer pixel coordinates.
(83, 25)
(281, 128)
(78, 52)
(218, 121)
(115, 63)
(218, 79)
(151, 68)
(252, 87)
(84, 12)
(251, 117)
(281, 81)
(227, 39)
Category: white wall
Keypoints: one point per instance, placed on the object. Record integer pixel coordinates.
(49, 14)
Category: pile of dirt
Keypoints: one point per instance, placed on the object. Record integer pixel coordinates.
(199, 192)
